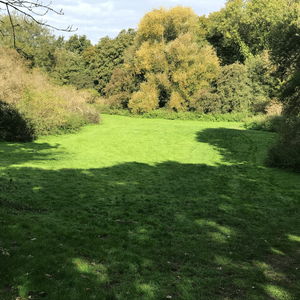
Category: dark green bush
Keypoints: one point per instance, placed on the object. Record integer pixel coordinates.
(272, 123)
(14, 127)
(290, 95)
(120, 87)
(285, 153)
(206, 101)
(234, 88)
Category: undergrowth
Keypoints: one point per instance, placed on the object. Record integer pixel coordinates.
(285, 153)
(49, 108)
(164, 113)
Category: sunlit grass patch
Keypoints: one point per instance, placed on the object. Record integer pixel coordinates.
(278, 293)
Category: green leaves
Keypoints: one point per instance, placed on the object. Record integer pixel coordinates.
(109, 53)
(77, 44)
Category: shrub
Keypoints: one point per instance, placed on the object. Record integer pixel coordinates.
(272, 123)
(13, 75)
(205, 101)
(291, 95)
(177, 103)
(46, 112)
(285, 153)
(145, 100)
(274, 107)
(13, 126)
(234, 88)
(48, 107)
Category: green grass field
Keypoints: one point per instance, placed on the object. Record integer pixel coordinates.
(148, 209)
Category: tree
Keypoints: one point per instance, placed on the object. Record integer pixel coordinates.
(284, 49)
(31, 10)
(120, 87)
(70, 69)
(77, 44)
(172, 60)
(242, 28)
(162, 25)
(234, 88)
(109, 53)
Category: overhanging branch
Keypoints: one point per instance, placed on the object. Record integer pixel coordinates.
(30, 9)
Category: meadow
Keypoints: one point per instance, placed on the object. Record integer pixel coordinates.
(148, 209)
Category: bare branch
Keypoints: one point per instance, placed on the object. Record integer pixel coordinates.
(12, 26)
(30, 10)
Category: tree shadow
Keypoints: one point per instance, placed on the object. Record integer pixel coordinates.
(18, 153)
(135, 231)
(252, 147)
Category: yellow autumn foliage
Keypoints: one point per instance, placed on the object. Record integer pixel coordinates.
(144, 100)
(162, 25)
(150, 58)
(168, 59)
(177, 103)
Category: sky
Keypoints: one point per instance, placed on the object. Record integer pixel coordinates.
(97, 19)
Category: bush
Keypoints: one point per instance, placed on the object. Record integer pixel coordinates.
(49, 108)
(205, 101)
(285, 153)
(144, 100)
(177, 103)
(14, 75)
(272, 123)
(274, 107)
(46, 112)
(13, 126)
(234, 88)
(290, 95)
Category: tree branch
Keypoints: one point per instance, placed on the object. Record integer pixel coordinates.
(29, 9)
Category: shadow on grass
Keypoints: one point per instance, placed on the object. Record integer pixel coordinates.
(18, 153)
(238, 146)
(135, 231)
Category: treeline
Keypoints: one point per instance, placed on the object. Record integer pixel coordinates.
(241, 59)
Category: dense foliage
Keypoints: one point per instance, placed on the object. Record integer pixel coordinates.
(241, 59)
(32, 105)
(13, 126)
(285, 152)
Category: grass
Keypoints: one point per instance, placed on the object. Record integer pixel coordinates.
(148, 209)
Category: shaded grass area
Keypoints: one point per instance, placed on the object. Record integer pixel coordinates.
(209, 223)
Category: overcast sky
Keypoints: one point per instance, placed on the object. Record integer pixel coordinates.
(97, 19)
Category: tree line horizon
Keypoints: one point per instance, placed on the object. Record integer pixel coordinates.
(241, 58)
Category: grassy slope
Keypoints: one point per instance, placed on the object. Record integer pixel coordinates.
(148, 209)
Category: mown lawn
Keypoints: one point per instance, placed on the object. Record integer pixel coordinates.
(148, 209)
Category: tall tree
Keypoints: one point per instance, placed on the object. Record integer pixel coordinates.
(109, 53)
(242, 28)
(171, 59)
(284, 45)
(35, 40)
